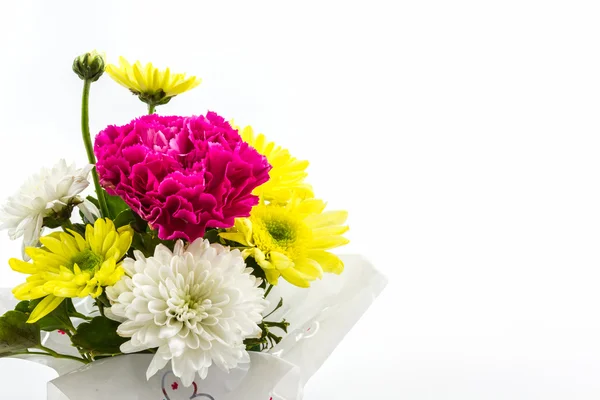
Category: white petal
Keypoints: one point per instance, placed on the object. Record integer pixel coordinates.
(159, 361)
(197, 304)
(89, 210)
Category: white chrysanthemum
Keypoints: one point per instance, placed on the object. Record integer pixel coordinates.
(196, 304)
(46, 192)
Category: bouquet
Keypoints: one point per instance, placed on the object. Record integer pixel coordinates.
(201, 266)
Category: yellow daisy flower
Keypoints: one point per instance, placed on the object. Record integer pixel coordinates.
(153, 86)
(292, 240)
(288, 173)
(69, 265)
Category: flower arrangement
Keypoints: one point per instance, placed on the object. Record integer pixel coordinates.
(193, 222)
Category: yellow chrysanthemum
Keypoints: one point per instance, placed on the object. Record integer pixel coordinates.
(153, 86)
(292, 240)
(69, 265)
(288, 173)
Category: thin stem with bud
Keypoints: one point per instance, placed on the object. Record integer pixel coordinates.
(89, 148)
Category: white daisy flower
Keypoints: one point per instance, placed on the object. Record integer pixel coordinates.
(196, 304)
(49, 191)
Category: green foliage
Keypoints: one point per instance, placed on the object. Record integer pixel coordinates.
(56, 219)
(57, 319)
(120, 213)
(23, 306)
(16, 335)
(99, 337)
(115, 204)
(212, 235)
(147, 241)
(129, 217)
(267, 339)
(79, 228)
(125, 217)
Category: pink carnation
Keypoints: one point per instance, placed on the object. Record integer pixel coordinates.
(181, 174)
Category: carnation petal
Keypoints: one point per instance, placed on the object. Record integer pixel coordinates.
(183, 175)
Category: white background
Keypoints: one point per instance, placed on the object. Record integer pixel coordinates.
(462, 136)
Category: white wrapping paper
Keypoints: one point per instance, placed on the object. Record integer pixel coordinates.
(124, 378)
(319, 319)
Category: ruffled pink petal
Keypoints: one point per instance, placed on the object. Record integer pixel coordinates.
(181, 174)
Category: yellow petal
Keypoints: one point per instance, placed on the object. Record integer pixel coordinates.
(328, 261)
(139, 77)
(327, 218)
(330, 231)
(166, 79)
(22, 266)
(311, 206)
(272, 276)
(247, 135)
(53, 244)
(97, 293)
(310, 268)
(66, 291)
(261, 260)
(280, 261)
(45, 307)
(296, 278)
(81, 243)
(325, 243)
(108, 242)
(29, 291)
(235, 237)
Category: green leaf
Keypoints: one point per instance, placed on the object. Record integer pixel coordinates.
(57, 319)
(125, 217)
(99, 336)
(16, 334)
(212, 235)
(139, 225)
(23, 306)
(147, 242)
(138, 244)
(115, 205)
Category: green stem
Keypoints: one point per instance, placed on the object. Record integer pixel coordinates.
(151, 108)
(85, 355)
(50, 352)
(268, 290)
(279, 305)
(89, 148)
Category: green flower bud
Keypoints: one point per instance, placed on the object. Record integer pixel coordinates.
(89, 66)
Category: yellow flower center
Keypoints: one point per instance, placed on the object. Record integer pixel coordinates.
(282, 232)
(275, 229)
(87, 260)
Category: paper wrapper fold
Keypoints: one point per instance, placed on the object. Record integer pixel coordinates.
(319, 319)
